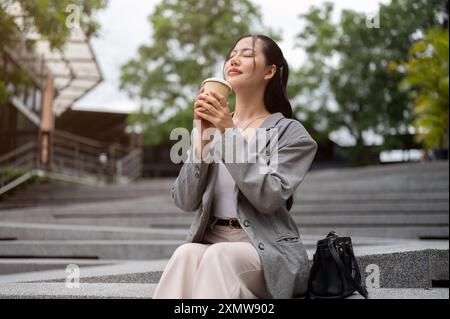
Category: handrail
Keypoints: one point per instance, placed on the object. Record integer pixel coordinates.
(81, 144)
(130, 156)
(130, 166)
(16, 182)
(74, 156)
(88, 141)
(17, 151)
(78, 139)
(51, 175)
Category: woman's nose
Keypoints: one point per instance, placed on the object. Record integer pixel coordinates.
(233, 61)
(234, 64)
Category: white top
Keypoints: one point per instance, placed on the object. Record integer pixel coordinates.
(223, 202)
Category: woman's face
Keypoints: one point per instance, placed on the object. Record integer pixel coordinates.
(241, 58)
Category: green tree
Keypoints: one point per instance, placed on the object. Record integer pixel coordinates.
(48, 19)
(346, 83)
(427, 80)
(190, 41)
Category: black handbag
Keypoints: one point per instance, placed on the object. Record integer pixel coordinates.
(335, 273)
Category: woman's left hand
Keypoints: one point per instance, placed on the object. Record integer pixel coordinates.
(214, 108)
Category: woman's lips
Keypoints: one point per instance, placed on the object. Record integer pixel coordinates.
(234, 73)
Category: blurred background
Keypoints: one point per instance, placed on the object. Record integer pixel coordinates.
(91, 89)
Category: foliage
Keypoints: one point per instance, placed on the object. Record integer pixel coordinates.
(426, 77)
(45, 20)
(190, 41)
(346, 83)
(48, 18)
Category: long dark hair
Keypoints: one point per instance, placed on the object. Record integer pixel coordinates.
(275, 96)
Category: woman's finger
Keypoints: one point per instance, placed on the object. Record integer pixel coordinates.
(205, 116)
(212, 100)
(209, 108)
(220, 98)
(201, 90)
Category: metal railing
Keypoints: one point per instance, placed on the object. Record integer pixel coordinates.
(16, 156)
(15, 167)
(74, 157)
(130, 167)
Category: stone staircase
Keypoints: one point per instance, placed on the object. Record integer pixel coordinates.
(121, 237)
(415, 268)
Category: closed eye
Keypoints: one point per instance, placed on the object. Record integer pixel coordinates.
(245, 56)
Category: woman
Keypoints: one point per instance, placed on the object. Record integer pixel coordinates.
(242, 242)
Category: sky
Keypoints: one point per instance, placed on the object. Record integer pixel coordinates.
(125, 26)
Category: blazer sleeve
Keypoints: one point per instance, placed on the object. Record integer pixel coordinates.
(295, 153)
(187, 190)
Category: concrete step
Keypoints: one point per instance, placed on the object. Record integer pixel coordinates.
(406, 271)
(407, 213)
(18, 265)
(304, 194)
(181, 221)
(424, 175)
(114, 249)
(379, 172)
(411, 293)
(85, 291)
(381, 230)
(106, 271)
(101, 249)
(389, 200)
(413, 182)
(169, 210)
(394, 197)
(399, 230)
(89, 249)
(364, 186)
(331, 208)
(411, 264)
(157, 204)
(382, 220)
(375, 170)
(40, 231)
(145, 291)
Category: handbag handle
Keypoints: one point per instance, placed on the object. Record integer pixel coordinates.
(337, 259)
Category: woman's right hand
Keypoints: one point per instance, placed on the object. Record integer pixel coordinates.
(203, 123)
(198, 104)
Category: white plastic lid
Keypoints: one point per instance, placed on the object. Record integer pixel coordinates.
(218, 80)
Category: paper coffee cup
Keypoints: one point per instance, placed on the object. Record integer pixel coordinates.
(218, 85)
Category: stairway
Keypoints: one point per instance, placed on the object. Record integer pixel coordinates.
(394, 201)
(122, 236)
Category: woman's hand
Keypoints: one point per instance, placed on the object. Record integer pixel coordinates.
(204, 123)
(213, 107)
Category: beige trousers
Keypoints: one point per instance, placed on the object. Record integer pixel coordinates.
(224, 266)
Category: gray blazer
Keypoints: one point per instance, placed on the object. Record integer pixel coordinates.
(260, 200)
